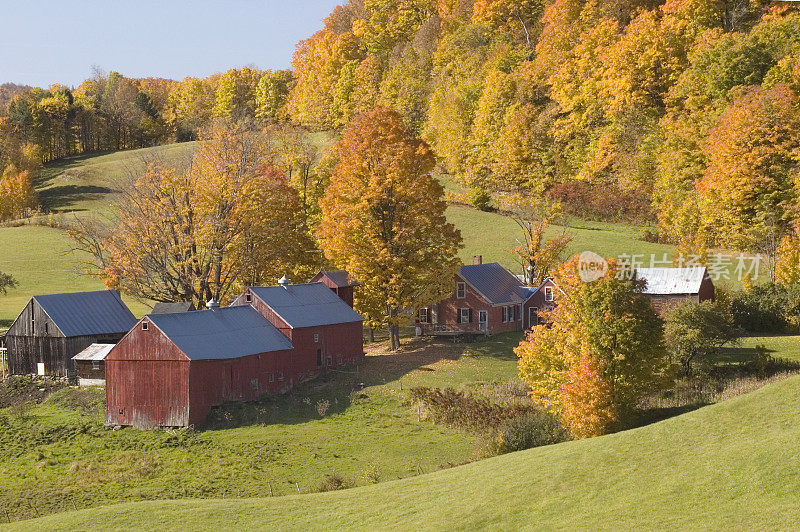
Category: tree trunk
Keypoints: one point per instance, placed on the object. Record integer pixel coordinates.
(394, 332)
(372, 335)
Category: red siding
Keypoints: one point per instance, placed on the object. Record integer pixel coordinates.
(151, 383)
(343, 341)
(344, 292)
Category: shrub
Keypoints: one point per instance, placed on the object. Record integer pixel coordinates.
(334, 482)
(533, 429)
(767, 308)
(372, 474)
(463, 410)
(481, 200)
(322, 407)
(601, 201)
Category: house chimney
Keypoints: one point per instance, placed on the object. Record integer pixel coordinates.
(284, 281)
(212, 304)
(477, 259)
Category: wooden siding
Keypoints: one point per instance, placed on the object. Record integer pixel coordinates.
(151, 383)
(34, 338)
(84, 369)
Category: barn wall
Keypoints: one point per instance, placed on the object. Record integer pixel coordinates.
(213, 382)
(340, 345)
(706, 290)
(147, 381)
(84, 370)
(34, 338)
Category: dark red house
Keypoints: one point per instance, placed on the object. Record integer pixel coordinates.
(170, 369)
(323, 329)
(487, 299)
(339, 281)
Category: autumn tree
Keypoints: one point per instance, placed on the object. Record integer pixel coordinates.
(199, 233)
(537, 255)
(17, 195)
(748, 189)
(384, 220)
(600, 353)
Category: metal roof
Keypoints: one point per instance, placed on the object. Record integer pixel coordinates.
(339, 277)
(94, 352)
(221, 333)
(663, 281)
(172, 308)
(87, 313)
(306, 305)
(495, 283)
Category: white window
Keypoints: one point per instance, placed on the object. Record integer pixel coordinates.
(329, 359)
(463, 315)
(505, 314)
(548, 293)
(519, 312)
(423, 315)
(144, 325)
(248, 298)
(95, 366)
(271, 377)
(461, 290)
(341, 362)
(254, 384)
(316, 338)
(280, 375)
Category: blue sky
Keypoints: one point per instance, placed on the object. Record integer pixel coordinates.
(43, 42)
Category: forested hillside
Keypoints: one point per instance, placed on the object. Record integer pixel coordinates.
(680, 111)
(608, 105)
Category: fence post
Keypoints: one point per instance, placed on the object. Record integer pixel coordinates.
(296, 485)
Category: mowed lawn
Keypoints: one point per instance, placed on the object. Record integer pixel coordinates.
(732, 465)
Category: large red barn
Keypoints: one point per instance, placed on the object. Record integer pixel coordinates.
(323, 329)
(170, 369)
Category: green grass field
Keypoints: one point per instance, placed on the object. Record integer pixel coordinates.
(727, 466)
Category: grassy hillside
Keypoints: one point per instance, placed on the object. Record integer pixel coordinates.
(40, 258)
(730, 465)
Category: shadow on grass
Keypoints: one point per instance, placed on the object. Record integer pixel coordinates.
(57, 198)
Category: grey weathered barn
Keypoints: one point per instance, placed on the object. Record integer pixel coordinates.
(52, 329)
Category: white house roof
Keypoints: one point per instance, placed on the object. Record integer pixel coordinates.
(664, 281)
(94, 352)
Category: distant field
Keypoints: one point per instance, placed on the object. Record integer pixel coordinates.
(727, 466)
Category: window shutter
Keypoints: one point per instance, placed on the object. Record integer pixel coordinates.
(470, 315)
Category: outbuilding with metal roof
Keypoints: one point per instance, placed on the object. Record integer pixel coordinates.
(53, 328)
(170, 369)
(325, 331)
(668, 287)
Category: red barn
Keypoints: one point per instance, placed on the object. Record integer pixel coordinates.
(487, 299)
(669, 287)
(323, 329)
(170, 369)
(339, 281)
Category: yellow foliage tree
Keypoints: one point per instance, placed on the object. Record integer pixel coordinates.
(601, 351)
(383, 220)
